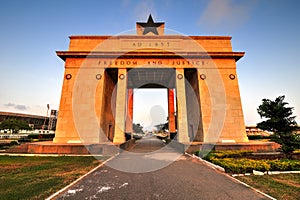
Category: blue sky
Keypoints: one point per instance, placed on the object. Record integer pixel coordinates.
(31, 31)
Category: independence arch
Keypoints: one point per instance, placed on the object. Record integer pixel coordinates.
(102, 71)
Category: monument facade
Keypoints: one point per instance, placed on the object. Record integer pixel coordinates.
(101, 73)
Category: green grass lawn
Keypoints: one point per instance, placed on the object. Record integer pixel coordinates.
(39, 177)
(281, 186)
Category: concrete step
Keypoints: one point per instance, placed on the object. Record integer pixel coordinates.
(23, 148)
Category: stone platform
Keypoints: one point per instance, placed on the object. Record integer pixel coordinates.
(255, 146)
(110, 149)
(72, 148)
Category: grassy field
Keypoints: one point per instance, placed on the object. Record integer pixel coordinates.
(281, 186)
(39, 177)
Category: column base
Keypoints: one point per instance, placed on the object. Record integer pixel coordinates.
(128, 135)
(119, 140)
(173, 135)
(183, 138)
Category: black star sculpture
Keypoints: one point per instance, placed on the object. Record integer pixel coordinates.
(150, 26)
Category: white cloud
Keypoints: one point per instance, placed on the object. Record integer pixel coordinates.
(32, 109)
(16, 106)
(229, 14)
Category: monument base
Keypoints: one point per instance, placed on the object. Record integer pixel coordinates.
(255, 146)
(105, 149)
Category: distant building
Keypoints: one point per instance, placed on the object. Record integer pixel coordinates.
(253, 130)
(34, 121)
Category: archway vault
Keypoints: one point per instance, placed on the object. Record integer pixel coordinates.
(151, 78)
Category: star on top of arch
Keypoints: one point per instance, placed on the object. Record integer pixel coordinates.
(150, 26)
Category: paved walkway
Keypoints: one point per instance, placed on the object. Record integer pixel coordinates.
(155, 171)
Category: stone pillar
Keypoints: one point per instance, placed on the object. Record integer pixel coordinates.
(182, 124)
(80, 106)
(171, 113)
(120, 116)
(129, 115)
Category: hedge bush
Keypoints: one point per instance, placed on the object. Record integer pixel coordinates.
(41, 136)
(235, 162)
(8, 145)
(258, 137)
(14, 142)
(231, 154)
(223, 154)
(284, 165)
(244, 165)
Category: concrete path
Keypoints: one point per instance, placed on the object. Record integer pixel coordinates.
(155, 171)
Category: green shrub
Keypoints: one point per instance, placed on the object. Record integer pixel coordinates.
(22, 140)
(242, 165)
(14, 142)
(203, 154)
(4, 146)
(230, 154)
(41, 136)
(33, 136)
(209, 155)
(257, 137)
(234, 154)
(284, 165)
(48, 136)
(235, 162)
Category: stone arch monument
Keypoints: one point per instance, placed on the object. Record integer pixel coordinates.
(101, 73)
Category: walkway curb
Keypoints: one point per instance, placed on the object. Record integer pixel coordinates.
(256, 190)
(268, 173)
(209, 164)
(217, 167)
(79, 179)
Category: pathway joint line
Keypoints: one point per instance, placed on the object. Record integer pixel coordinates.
(79, 179)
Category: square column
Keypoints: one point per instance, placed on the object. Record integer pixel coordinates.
(80, 106)
(129, 111)
(182, 124)
(120, 116)
(171, 112)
